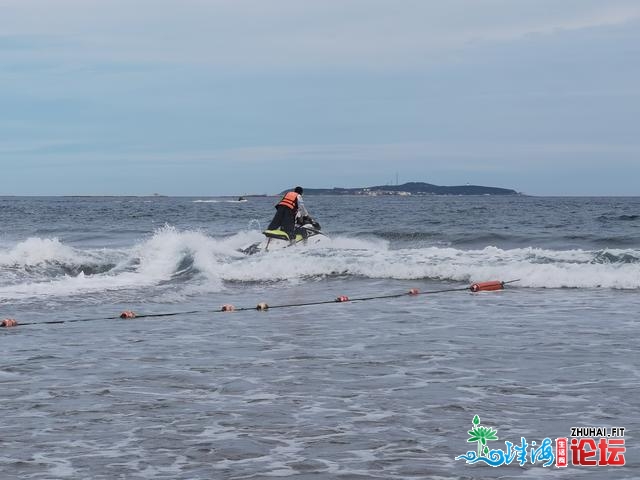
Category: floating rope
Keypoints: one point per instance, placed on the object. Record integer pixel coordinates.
(262, 306)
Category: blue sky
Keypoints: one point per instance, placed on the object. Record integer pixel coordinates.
(206, 97)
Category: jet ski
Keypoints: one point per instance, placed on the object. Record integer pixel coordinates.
(307, 231)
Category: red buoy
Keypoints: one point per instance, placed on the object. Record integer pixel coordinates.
(487, 286)
(127, 314)
(8, 322)
(227, 308)
(342, 298)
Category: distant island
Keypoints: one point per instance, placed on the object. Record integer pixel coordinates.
(412, 188)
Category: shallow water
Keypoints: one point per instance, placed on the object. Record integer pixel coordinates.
(382, 388)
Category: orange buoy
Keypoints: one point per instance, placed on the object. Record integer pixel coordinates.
(127, 314)
(413, 291)
(227, 308)
(487, 286)
(8, 322)
(342, 298)
(262, 306)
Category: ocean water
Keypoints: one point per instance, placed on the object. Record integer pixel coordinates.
(382, 388)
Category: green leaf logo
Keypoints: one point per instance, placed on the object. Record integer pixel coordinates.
(481, 435)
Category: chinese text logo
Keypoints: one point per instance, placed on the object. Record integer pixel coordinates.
(592, 446)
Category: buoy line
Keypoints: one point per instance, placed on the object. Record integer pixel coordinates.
(262, 306)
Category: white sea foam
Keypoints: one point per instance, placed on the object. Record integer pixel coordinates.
(170, 254)
(146, 264)
(35, 251)
(219, 201)
(534, 267)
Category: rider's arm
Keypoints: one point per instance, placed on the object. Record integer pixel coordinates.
(301, 208)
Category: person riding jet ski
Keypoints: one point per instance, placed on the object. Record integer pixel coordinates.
(290, 206)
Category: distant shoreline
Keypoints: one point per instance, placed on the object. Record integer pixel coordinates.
(412, 188)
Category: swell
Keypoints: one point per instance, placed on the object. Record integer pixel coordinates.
(618, 218)
(549, 237)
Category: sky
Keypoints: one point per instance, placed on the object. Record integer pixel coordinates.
(231, 97)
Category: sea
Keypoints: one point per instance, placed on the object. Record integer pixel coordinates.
(387, 385)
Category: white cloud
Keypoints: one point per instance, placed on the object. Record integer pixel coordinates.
(166, 85)
(284, 33)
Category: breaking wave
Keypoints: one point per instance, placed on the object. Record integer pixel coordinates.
(194, 261)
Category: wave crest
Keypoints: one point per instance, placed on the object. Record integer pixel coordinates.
(192, 261)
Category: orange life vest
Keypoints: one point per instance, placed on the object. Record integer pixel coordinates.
(290, 200)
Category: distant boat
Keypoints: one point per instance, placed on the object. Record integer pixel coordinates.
(242, 199)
